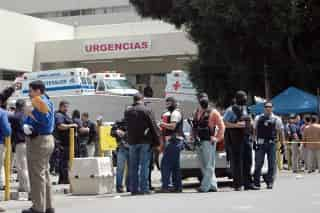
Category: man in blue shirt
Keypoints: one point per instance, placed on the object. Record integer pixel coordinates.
(237, 137)
(38, 126)
(5, 131)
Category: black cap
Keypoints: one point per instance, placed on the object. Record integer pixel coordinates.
(292, 116)
(240, 94)
(203, 96)
(20, 103)
(171, 99)
(137, 97)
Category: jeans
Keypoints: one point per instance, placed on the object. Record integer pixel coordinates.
(269, 149)
(122, 161)
(64, 166)
(296, 156)
(91, 148)
(139, 161)
(170, 165)
(22, 166)
(207, 158)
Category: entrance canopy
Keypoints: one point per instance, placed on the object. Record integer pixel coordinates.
(292, 100)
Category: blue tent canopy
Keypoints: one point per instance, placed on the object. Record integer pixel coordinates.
(292, 100)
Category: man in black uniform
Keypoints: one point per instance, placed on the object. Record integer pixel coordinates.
(63, 124)
(237, 135)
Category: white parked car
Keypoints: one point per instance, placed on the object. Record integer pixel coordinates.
(190, 166)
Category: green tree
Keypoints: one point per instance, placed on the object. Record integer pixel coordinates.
(247, 44)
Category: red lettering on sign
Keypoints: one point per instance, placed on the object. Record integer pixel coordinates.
(118, 46)
(111, 47)
(137, 45)
(131, 46)
(96, 48)
(126, 46)
(176, 85)
(144, 45)
(88, 48)
(103, 47)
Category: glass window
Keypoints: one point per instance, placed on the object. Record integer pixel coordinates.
(65, 13)
(88, 12)
(75, 13)
(118, 84)
(101, 86)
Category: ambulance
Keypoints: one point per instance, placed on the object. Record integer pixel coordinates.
(73, 81)
(180, 87)
(113, 83)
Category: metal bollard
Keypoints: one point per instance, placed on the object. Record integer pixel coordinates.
(72, 144)
(71, 152)
(7, 168)
(101, 153)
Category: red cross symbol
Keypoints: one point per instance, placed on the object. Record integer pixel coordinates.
(176, 85)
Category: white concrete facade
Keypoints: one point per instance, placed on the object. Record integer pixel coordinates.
(19, 35)
(76, 12)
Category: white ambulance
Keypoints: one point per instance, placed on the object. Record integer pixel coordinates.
(73, 81)
(179, 86)
(114, 83)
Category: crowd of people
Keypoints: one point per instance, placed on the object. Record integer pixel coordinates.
(40, 136)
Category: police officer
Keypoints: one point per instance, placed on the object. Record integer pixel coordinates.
(5, 129)
(206, 122)
(63, 125)
(19, 141)
(237, 135)
(266, 128)
(172, 130)
(39, 126)
(119, 131)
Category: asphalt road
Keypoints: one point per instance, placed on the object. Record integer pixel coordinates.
(292, 193)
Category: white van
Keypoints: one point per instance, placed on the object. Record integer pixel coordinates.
(73, 81)
(179, 86)
(112, 83)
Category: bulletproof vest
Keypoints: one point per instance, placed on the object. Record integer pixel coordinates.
(178, 131)
(201, 126)
(266, 128)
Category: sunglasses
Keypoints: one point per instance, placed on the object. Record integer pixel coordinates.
(267, 106)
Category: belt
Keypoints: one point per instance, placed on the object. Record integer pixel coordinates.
(262, 141)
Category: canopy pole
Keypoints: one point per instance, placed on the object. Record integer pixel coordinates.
(318, 100)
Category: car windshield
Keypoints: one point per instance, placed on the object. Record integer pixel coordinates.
(117, 84)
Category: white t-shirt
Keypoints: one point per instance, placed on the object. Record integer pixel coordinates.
(175, 116)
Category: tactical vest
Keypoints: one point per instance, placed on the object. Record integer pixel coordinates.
(201, 126)
(266, 128)
(178, 131)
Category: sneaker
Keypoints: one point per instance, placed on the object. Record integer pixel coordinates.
(238, 189)
(120, 190)
(213, 190)
(2, 209)
(50, 210)
(254, 187)
(270, 186)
